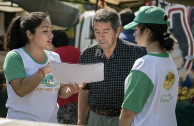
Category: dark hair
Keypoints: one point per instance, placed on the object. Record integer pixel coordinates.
(107, 15)
(126, 16)
(60, 38)
(159, 33)
(16, 34)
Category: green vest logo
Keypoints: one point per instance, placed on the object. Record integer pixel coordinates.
(169, 81)
(48, 81)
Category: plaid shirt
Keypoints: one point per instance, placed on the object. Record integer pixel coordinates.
(109, 94)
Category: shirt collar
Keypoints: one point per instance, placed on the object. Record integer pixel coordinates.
(100, 53)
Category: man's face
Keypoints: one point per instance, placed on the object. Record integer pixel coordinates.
(105, 35)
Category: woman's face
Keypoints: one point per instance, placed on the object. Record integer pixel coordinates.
(42, 38)
(141, 36)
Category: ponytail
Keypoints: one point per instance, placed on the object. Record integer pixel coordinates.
(167, 43)
(13, 37)
(16, 34)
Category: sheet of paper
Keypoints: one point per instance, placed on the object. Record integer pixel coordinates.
(70, 73)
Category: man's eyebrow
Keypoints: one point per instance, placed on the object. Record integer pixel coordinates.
(103, 29)
(44, 26)
(106, 29)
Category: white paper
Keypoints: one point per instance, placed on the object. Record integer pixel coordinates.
(79, 73)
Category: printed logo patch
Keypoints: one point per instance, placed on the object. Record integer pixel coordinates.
(170, 79)
(48, 81)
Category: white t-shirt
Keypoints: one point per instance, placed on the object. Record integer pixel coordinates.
(151, 91)
(41, 103)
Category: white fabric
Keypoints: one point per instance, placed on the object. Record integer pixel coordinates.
(41, 103)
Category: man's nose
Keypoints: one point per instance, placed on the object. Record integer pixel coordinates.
(101, 35)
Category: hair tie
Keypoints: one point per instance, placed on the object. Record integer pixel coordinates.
(165, 38)
(21, 19)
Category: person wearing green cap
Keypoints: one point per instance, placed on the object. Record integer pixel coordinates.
(151, 88)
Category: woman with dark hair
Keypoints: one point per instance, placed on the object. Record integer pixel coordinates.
(151, 88)
(32, 93)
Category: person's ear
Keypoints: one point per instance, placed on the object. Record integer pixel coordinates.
(119, 30)
(148, 31)
(29, 34)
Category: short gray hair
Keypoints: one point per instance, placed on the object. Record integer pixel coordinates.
(107, 15)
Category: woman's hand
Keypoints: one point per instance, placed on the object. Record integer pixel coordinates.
(46, 69)
(74, 88)
(66, 90)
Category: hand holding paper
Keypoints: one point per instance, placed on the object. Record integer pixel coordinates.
(74, 88)
(67, 90)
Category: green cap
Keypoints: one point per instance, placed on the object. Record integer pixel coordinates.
(148, 14)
